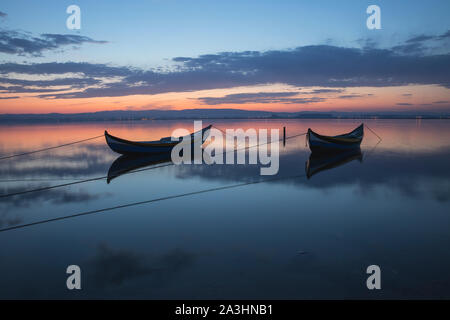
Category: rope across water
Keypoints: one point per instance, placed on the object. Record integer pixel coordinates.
(148, 201)
(50, 148)
(133, 171)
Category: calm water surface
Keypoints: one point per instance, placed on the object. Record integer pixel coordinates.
(309, 234)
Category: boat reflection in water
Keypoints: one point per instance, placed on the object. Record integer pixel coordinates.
(318, 162)
(127, 163)
(131, 162)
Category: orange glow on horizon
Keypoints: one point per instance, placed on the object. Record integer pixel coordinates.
(350, 99)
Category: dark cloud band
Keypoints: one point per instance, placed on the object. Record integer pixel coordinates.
(21, 43)
(321, 66)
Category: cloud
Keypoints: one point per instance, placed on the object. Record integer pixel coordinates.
(260, 97)
(410, 48)
(325, 66)
(27, 86)
(67, 39)
(421, 44)
(6, 98)
(317, 91)
(350, 96)
(56, 197)
(21, 89)
(3, 14)
(321, 65)
(85, 68)
(367, 43)
(114, 267)
(420, 38)
(91, 159)
(23, 43)
(444, 35)
(424, 37)
(404, 104)
(441, 102)
(54, 82)
(78, 76)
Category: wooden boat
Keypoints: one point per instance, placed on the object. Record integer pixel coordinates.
(322, 144)
(164, 145)
(318, 162)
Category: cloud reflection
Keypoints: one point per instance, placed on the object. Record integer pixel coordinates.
(114, 267)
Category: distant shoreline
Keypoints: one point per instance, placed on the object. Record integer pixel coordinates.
(192, 119)
(210, 114)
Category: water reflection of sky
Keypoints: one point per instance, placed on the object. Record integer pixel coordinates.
(287, 238)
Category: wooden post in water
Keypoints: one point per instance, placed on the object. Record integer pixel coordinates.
(284, 136)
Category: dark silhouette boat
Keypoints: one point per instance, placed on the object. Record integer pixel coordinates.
(329, 144)
(163, 145)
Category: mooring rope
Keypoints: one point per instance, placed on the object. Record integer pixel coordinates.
(367, 154)
(72, 183)
(50, 148)
(373, 132)
(41, 180)
(132, 171)
(147, 201)
(261, 144)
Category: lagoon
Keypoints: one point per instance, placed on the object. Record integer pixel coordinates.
(308, 232)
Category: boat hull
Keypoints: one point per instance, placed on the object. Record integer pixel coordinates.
(329, 144)
(164, 145)
(136, 149)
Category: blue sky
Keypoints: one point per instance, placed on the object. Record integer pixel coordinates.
(144, 33)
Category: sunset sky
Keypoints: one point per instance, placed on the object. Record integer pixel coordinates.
(256, 55)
